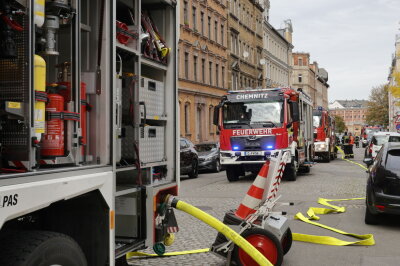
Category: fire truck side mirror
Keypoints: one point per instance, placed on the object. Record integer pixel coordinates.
(216, 115)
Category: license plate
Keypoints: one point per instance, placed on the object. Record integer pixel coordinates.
(250, 153)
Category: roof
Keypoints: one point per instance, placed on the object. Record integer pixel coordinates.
(387, 134)
(353, 103)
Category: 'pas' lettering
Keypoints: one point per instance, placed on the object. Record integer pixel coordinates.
(8, 200)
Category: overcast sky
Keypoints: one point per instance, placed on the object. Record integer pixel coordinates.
(352, 39)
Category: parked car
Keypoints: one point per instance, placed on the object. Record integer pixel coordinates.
(209, 156)
(383, 185)
(189, 163)
(377, 140)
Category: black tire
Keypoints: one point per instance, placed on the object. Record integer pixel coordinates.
(305, 169)
(287, 241)
(194, 173)
(328, 157)
(217, 167)
(290, 172)
(121, 261)
(232, 173)
(268, 236)
(370, 218)
(40, 248)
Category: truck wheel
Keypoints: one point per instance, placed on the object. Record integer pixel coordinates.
(194, 173)
(40, 248)
(290, 172)
(265, 241)
(328, 157)
(121, 261)
(232, 173)
(305, 169)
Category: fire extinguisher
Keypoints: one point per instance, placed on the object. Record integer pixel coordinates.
(84, 108)
(52, 144)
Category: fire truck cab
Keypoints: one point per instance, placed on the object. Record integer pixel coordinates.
(324, 134)
(256, 123)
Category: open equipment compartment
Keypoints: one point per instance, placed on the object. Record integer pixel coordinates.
(50, 96)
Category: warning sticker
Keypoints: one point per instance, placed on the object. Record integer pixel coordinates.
(14, 105)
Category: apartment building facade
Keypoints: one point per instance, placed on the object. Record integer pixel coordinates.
(353, 112)
(312, 79)
(202, 66)
(245, 43)
(277, 53)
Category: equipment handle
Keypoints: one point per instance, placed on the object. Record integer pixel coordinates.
(144, 115)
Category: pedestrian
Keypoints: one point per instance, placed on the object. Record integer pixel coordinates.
(357, 141)
(351, 143)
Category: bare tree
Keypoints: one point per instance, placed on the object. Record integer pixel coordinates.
(378, 106)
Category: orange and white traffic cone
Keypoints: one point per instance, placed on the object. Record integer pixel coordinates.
(255, 194)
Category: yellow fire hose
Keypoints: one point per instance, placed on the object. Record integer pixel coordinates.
(344, 159)
(216, 224)
(364, 240)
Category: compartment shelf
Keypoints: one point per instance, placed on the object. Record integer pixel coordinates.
(126, 48)
(154, 64)
(124, 189)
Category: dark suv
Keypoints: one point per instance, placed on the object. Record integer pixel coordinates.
(189, 159)
(383, 185)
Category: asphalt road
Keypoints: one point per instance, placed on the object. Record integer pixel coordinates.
(338, 179)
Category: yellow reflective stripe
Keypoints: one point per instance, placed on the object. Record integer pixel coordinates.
(176, 253)
(39, 13)
(342, 152)
(365, 240)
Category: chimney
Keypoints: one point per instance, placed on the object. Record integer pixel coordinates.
(288, 30)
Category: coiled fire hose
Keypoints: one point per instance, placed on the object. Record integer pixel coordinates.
(220, 227)
(217, 225)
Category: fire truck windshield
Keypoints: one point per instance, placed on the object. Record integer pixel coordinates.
(317, 120)
(250, 114)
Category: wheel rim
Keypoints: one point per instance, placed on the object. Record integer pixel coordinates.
(218, 166)
(264, 245)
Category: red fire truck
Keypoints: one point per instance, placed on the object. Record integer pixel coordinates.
(256, 123)
(324, 135)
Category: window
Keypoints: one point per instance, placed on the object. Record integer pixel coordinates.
(209, 28)
(186, 65)
(210, 119)
(195, 67)
(216, 31)
(217, 74)
(202, 22)
(210, 71)
(203, 70)
(185, 14)
(300, 61)
(223, 76)
(194, 18)
(300, 78)
(222, 34)
(187, 118)
(199, 124)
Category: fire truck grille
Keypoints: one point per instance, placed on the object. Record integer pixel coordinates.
(253, 143)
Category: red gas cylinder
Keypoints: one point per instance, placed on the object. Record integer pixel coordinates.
(52, 143)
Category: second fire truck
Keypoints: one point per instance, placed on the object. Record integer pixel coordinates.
(256, 123)
(324, 135)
